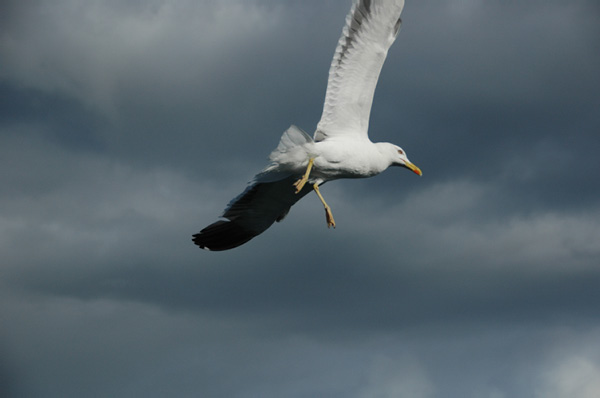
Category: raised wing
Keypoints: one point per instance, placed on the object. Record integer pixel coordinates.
(251, 213)
(371, 28)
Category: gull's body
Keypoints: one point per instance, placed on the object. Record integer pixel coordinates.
(340, 147)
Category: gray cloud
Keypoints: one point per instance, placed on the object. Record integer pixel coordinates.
(126, 126)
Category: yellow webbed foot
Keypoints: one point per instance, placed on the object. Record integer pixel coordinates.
(329, 218)
(301, 182)
(328, 214)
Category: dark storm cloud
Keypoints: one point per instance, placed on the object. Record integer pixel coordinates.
(497, 80)
(127, 126)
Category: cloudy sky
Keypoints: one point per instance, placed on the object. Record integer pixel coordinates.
(126, 126)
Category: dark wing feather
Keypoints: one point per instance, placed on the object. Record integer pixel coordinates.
(251, 213)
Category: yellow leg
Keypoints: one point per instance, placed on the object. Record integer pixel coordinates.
(300, 183)
(328, 215)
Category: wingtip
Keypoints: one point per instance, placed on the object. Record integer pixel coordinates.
(222, 235)
(197, 239)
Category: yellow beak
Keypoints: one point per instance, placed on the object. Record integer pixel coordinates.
(414, 168)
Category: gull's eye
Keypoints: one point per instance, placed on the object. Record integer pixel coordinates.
(400, 152)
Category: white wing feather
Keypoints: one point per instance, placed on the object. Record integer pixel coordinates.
(371, 28)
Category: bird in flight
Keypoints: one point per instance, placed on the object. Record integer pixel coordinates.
(340, 147)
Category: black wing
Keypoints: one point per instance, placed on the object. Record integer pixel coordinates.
(251, 213)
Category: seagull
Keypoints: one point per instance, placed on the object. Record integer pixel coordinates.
(340, 146)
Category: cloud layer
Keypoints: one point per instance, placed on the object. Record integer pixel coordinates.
(125, 127)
